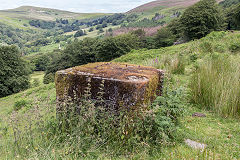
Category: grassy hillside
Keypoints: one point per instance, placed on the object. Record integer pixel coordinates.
(220, 133)
(166, 8)
(47, 14)
(162, 3)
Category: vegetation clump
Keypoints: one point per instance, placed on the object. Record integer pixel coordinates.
(215, 85)
(14, 73)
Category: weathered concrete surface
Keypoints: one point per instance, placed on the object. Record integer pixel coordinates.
(125, 85)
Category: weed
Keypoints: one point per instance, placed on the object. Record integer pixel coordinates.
(20, 104)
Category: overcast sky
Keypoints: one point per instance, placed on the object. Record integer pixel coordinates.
(86, 6)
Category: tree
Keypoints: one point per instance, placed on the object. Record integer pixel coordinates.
(110, 48)
(91, 29)
(110, 30)
(232, 17)
(104, 25)
(77, 53)
(41, 63)
(201, 18)
(100, 31)
(164, 37)
(237, 15)
(79, 33)
(14, 73)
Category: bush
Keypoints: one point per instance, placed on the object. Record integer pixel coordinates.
(48, 78)
(234, 46)
(79, 33)
(215, 85)
(100, 31)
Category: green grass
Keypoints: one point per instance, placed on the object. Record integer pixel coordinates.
(215, 85)
(15, 22)
(163, 10)
(93, 33)
(48, 14)
(37, 75)
(221, 134)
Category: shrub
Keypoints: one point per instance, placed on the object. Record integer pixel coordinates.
(79, 33)
(48, 78)
(100, 31)
(215, 85)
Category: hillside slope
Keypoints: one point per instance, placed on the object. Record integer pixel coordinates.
(19, 17)
(48, 14)
(163, 3)
(220, 134)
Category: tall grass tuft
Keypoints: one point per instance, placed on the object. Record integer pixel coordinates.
(215, 85)
(174, 64)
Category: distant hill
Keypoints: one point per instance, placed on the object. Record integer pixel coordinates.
(164, 4)
(30, 12)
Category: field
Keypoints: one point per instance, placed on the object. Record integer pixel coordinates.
(37, 75)
(220, 133)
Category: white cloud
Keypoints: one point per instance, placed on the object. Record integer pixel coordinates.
(109, 6)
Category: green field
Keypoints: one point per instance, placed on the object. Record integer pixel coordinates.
(37, 75)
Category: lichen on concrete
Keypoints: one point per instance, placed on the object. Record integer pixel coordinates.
(125, 85)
